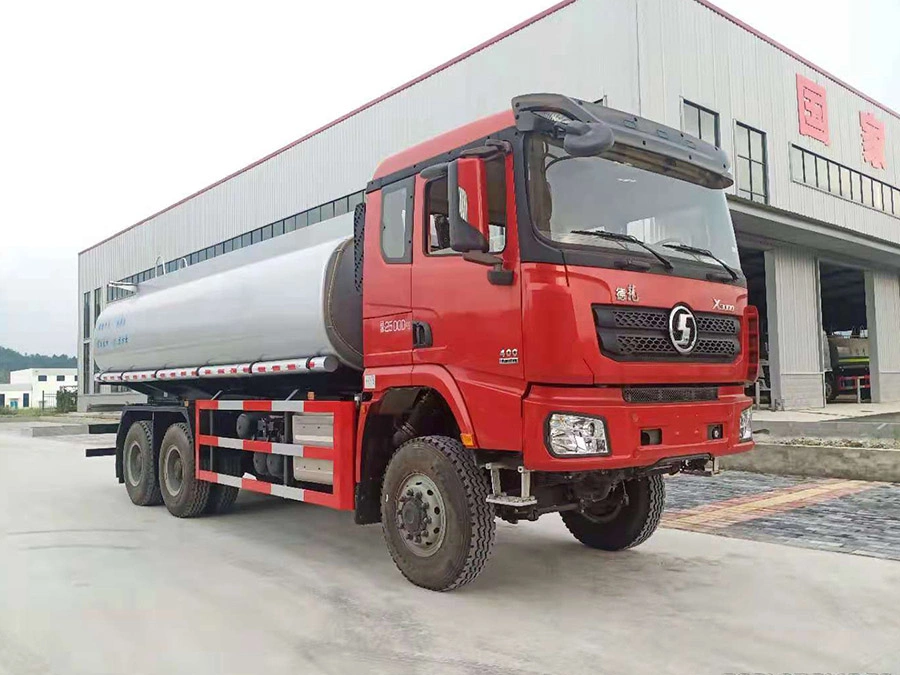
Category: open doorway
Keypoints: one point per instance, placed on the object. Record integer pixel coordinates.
(845, 333)
(753, 264)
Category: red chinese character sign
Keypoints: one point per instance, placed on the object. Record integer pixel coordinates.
(872, 132)
(813, 109)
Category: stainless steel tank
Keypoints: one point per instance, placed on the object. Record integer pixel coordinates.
(288, 297)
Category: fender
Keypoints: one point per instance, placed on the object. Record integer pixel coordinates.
(439, 379)
(435, 377)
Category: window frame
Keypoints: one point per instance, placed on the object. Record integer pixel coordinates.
(717, 128)
(409, 185)
(741, 127)
(853, 186)
(426, 222)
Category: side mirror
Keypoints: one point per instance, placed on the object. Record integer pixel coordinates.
(468, 205)
(586, 139)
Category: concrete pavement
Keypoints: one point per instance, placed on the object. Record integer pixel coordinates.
(91, 584)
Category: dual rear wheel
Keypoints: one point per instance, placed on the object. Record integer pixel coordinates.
(170, 477)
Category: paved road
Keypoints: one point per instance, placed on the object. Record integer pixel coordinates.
(91, 584)
(850, 516)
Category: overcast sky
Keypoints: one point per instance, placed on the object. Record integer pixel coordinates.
(112, 111)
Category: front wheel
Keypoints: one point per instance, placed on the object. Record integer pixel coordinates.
(626, 518)
(437, 523)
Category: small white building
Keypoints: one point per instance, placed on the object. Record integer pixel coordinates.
(36, 387)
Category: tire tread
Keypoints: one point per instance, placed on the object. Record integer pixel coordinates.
(198, 490)
(590, 535)
(153, 497)
(483, 524)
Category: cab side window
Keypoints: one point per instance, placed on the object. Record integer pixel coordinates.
(396, 222)
(437, 224)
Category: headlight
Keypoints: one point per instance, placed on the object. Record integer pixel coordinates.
(576, 435)
(746, 428)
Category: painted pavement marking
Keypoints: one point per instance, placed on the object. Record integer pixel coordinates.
(717, 515)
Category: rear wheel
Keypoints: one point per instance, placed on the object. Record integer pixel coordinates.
(625, 519)
(139, 466)
(437, 523)
(222, 497)
(184, 495)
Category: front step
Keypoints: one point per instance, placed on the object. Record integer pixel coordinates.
(499, 497)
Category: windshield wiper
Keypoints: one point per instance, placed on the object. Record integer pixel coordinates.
(620, 236)
(702, 251)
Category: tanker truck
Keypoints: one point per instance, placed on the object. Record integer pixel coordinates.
(539, 312)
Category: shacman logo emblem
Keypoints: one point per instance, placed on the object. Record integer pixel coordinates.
(682, 329)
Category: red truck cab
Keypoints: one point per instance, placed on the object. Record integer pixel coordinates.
(594, 270)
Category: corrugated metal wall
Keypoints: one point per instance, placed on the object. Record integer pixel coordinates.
(688, 51)
(795, 328)
(596, 58)
(883, 314)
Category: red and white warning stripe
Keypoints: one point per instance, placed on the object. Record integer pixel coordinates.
(229, 370)
(288, 449)
(139, 376)
(256, 406)
(316, 363)
(312, 364)
(297, 494)
(177, 374)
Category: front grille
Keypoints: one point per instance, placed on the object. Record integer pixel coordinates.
(728, 325)
(669, 394)
(642, 334)
(645, 320)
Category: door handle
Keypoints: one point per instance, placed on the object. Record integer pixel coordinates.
(421, 334)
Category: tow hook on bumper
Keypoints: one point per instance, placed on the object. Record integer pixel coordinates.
(700, 468)
(499, 497)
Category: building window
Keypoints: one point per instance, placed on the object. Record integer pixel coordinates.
(60, 378)
(700, 122)
(42, 378)
(311, 216)
(86, 367)
(752, 169)
(87, 315)
(97, 304)
(823, 174)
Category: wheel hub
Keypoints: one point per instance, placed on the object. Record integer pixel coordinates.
(420, 515)
(134, 465)
(173, 471)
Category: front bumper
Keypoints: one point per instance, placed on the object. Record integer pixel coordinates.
(684, 427)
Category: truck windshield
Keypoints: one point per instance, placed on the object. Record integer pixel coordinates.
(573, 198)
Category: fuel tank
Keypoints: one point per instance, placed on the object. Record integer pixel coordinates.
(287, 297)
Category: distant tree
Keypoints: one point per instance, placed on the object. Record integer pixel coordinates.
(11, 360)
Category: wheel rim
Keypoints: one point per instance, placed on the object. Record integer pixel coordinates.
(607, 510)
(173, 471)
(134, 465)
(421, 516)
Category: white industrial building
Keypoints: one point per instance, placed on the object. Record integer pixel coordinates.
(816, 203)
(36, 387)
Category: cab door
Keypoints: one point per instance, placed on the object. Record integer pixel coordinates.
(387, 311)
(467, 321)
